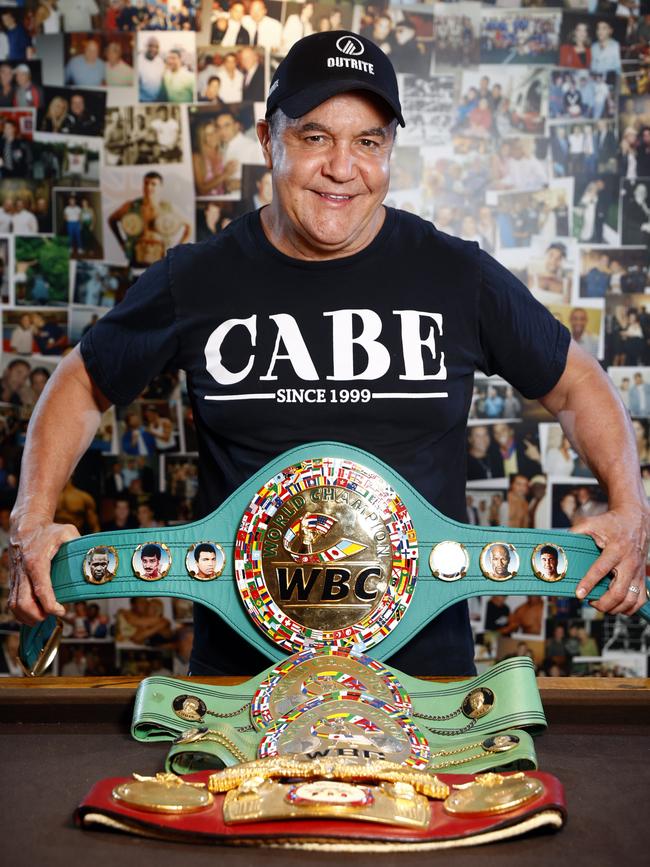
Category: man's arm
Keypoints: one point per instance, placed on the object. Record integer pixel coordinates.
(62, 427)
(114, 222)
(594, 419)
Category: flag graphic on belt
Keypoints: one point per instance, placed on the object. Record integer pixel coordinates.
(306, 529)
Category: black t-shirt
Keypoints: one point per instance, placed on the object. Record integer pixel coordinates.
(377, 349)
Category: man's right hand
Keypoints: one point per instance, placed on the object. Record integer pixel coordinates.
(32, 546)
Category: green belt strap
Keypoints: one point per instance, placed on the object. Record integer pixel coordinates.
(430, 597)
(209, 755)
(517, 702)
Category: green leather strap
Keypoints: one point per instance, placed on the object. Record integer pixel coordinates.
(431, 595)
(517, 703)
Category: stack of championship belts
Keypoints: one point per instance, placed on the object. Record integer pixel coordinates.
(338, 562)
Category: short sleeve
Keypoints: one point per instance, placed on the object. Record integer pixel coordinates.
(520, 339)
(135, 340)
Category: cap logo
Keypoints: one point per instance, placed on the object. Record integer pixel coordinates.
(350, 45)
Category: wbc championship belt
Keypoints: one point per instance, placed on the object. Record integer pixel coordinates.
(325, 546)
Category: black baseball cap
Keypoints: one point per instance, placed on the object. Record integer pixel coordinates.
(324, 64)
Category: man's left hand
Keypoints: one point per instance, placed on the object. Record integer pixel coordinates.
(622, 534)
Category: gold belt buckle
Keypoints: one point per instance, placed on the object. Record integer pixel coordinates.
(293, 787)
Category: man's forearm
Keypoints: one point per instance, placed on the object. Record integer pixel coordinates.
(594, 419)
(62, 427)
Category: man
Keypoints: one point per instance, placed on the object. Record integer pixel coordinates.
(87, 69)
(262, 29)
(13, 382)
(150, 558)
(327, 140)
(471, 511)
(77, 507)
(231, 78)
(527, 618)
(500, 561)
(178, 81)
(150, 71)
(135, 439)
(26, 93)
(264, 190)
(514, 510)
(236, 148)
(22, 220)
(206, 562)
(510, 455)
(212, 93)
(479, 462)
(253, 85)
(578, 321)
(550, 275)
(20, 42)
(167, 131)
(235, 33)
(548, 557)
(119, 73)
(639, 397)
(98, 566)
(588, 506)
(606, 52)
(147, 226)
(80, 121)
(497, 613)
(15, 154)
(596, 280)
(79, 15)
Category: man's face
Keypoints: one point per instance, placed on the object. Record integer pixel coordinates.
(519, 486)
(212, 90)
(331, 173)
(150, 566)
(77, 104)
(113, 52)
(237, 11)
(227, 127)
(99, 566)
(23, 79)
(152, 187)
(247, 58)
(152, 49)
(257, 11)
(549, 564)
(230, 63)
(381, 29)
(500, 557)
(603, 31)
(91, 51)
(554, 258)
(578, 322)
(479, 439)
(173, 61)
(207, 563)
(502, 434)
(121, 511)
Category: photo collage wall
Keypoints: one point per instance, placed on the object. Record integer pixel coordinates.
(129, 127)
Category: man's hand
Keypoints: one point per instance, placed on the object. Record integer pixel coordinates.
(31, 548)
(622, 534)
